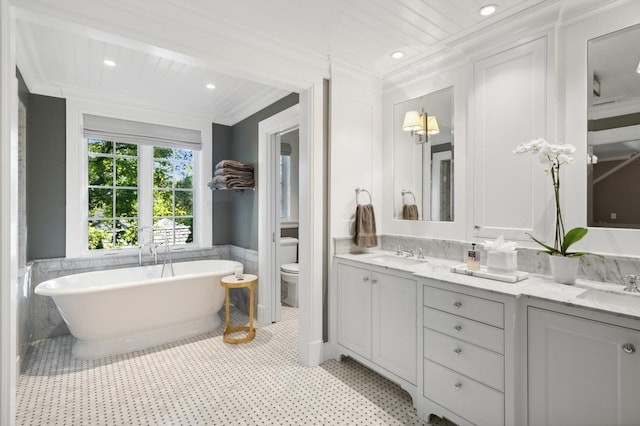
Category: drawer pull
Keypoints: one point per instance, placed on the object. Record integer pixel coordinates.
(374, 281)
(365, 279)
(457, 351)
(628, 348)
(457, 304)
(457, 386)
(458, 328)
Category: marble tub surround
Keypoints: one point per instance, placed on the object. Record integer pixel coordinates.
(609, 269)
(23, 324)
(536, 286)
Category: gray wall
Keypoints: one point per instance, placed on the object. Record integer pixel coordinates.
(222, 200)
(244, 137)
(46, 177)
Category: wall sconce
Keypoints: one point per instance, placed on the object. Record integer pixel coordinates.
(421, 125)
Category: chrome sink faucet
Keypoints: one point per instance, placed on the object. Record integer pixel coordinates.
(406, 251)
(631, 284)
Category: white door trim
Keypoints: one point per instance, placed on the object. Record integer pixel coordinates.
(311, 237)
(268, 251)
(8, 215)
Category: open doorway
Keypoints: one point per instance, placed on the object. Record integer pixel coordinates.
(278, 192)
(288, 165)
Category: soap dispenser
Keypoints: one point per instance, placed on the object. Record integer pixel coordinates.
(473, 258)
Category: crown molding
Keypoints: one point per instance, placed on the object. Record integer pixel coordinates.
(574, 11)
(367, 79)
(29, 64)
(440, 61)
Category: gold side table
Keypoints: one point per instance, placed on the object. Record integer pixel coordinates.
(247, 281)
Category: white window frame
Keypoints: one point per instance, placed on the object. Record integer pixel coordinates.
(77, 169)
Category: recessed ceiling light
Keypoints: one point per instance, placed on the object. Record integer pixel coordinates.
(397, 54)
(488, 9)
(210, 86)
(109, 63)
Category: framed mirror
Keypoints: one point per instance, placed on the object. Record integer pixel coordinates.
(423, 141)
(613, 124)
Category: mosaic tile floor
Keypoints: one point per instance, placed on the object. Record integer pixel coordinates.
(203, 381)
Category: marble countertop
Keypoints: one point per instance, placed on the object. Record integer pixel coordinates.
(535, 286)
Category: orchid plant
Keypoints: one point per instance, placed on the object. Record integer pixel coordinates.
(552, 157)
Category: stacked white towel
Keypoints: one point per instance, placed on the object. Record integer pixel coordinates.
(231, 174)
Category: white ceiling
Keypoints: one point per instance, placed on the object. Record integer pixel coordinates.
(57, 60)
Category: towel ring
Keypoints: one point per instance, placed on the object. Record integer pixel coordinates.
(403, 192)
(359, 190)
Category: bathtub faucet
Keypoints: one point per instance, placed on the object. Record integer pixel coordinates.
(167, 254)
(148, 245)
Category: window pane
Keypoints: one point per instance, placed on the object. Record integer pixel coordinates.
(162, 202)
(162, 153)
(184, 175)
(184, 155)
(179, 231)
(100, 203)
(187, 223)
(100, 147)
(184, 203)
(127, 172)
(126, 203)
(126, 233)
(100, 171)
(162, 176)
(127, 149)
(100, 234)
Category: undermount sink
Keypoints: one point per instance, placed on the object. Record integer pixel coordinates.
(622, 300)
(396, 260)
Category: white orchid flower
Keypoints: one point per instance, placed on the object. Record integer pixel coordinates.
(552, 156)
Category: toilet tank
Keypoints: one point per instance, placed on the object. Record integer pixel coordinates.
(288, 250)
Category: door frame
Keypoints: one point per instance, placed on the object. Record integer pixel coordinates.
(268, 218)
(8, 215)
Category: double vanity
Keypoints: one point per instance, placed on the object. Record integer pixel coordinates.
(485, 352)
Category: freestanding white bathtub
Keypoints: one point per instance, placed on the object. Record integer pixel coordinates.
(123, 310)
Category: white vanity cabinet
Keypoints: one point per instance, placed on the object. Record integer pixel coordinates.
(582, 371)
(464, 370)
(376, 319)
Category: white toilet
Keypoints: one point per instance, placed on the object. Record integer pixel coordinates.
(289, 271)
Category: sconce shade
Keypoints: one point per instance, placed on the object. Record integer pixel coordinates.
(412, 121)
(432, 125)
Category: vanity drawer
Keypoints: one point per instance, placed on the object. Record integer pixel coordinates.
(475, 308)
(473, 361)
(480, 334)
(467, 398)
